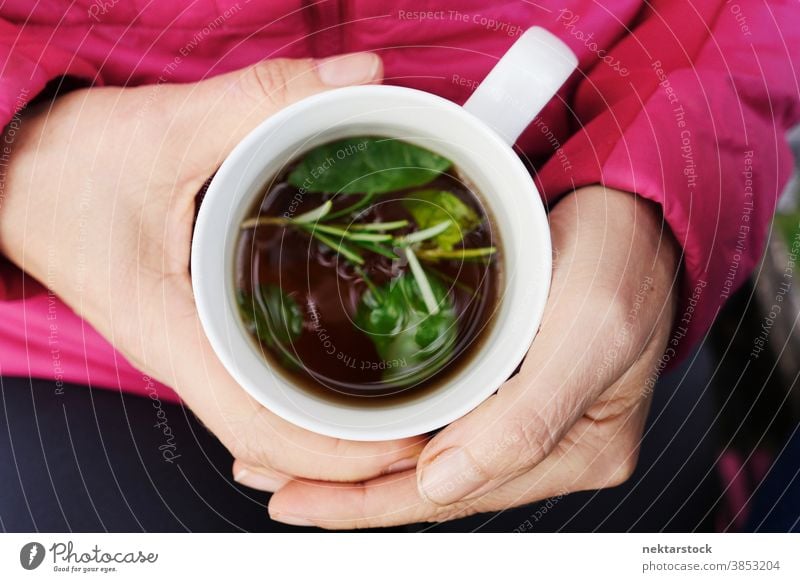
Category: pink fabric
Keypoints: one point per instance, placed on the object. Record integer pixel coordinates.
(741, 477)
(725, 64)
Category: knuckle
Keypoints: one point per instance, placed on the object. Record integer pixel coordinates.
(614, 308)
(248, 444)
(611, 453)
(519, 444)
(269, 81)
(527, 440)
(621, 468)
(241, 448)
(611, 313)
(365, 519)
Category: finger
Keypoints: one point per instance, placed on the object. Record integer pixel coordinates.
(260, 478)
(591, 456)
(180, 356)
(395, 500)
(568, 366)
(382, 502)
(212, 116)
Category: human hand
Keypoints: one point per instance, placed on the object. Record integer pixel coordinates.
(573, 417)
(100, 201)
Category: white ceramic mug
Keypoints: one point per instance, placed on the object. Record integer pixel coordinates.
(478, 138)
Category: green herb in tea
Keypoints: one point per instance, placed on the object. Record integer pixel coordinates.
(368, 268)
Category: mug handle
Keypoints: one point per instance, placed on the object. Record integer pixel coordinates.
(522, 82)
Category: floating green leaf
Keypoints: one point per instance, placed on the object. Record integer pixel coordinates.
(366, 165)
(432, 207)
(397, 320)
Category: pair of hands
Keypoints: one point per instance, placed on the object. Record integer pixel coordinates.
(106, 178)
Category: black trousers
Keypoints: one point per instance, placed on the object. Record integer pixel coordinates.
(87, 460)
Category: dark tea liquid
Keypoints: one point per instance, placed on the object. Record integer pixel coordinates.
(332, 357)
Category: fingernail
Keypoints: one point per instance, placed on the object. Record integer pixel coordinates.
(291, 519)
(401, 465)
(351, 69)
(259, 480)
(450, 477)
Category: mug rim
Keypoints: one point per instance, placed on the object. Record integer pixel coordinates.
(217, 331)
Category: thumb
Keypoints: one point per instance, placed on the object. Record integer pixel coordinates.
(571, 361)
(514, 430)
(215, 114)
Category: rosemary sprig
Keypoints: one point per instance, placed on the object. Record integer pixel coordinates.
(340, 247)
(373, 237)
(372, 287)
(363, 202)
(364, 236)
(381, 226)
(379, 249)
(425, 234)
(456, 254)
(422, 281)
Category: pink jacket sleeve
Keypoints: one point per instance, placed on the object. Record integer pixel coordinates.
(690, 110)
(29, 62)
